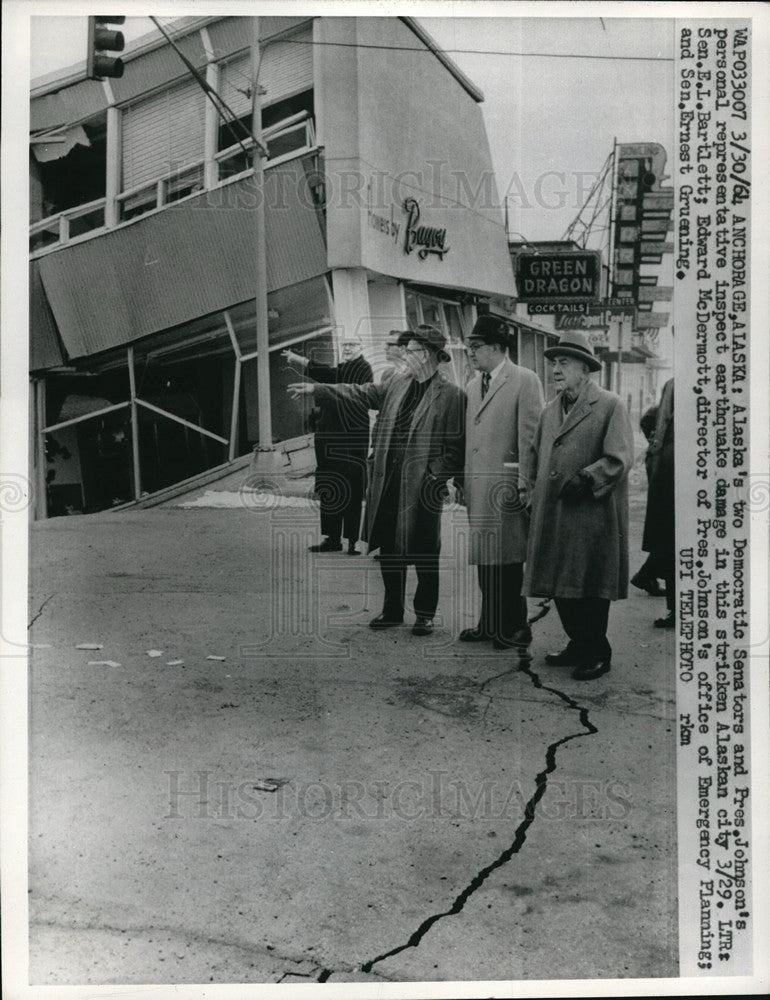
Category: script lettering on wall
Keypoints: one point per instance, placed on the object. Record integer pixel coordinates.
(429, 239)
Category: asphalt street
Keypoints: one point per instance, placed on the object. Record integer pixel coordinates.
(246, 784)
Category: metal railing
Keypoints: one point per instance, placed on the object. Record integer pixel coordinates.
(284, 140)
(65, 226)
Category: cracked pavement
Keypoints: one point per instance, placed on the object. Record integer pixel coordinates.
(438, 814)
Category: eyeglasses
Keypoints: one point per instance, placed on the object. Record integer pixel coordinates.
(415, 350)
(472, 348)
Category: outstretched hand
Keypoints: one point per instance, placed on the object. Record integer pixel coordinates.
(291, 356)
(297, 389)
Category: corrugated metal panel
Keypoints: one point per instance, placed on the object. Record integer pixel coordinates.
(162, 133)
(68, 105)
(184, 262)
(287, 67)
(157, 68)
(44, 347)
(232, 34)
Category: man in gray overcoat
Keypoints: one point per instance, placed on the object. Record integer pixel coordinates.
(418, 447)
(578, 538)
(504, 405)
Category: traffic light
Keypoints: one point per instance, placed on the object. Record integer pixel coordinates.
(102, 42)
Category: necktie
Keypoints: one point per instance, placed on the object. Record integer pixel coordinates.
(485, 384)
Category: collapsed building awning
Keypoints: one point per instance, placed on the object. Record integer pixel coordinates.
(182, 262)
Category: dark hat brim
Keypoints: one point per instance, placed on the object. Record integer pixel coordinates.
(440, 353)
(574, 352)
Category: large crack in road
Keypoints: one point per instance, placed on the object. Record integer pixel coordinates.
(541, 785)
(40, 610)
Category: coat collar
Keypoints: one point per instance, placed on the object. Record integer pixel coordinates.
(430, 397)
(505, 373)
(589, 394)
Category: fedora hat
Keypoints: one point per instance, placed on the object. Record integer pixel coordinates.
(491, 330)
(431, 338)
(575, 344)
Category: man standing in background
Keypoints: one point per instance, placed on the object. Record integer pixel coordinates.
(341, 447)
(504, 406)
(418, 447)
(394, 356)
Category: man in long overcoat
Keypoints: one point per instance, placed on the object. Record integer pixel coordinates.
(504, 405)
(418, 448)
(341, 446)
(578, 540)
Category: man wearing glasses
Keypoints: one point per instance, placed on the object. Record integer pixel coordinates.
(504, 406)
(418, 447)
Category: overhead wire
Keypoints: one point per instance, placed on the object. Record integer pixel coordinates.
(479, 52)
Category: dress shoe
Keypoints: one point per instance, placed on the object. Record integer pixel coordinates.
(568, 657)
(422, 626)
(327, 545)
(648, 583)
(591, 670)
(474, 635)
(386, 620)
(668, 622)
(352, 550)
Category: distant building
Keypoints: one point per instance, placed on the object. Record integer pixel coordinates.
(381, 211)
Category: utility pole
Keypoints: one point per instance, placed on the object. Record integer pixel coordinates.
(264, 458)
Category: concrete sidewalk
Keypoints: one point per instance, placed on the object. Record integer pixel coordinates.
(327, 803)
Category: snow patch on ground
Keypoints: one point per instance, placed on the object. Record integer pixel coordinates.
(250, 499)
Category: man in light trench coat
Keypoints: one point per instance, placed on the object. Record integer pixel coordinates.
(578, 536)
(504, 405)
(418, 446)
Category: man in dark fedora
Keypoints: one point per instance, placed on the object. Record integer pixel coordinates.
(418, 447)
(578, 537)
(504, 406)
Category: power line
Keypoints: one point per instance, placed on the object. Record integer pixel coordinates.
(225, 112)
(479, 52)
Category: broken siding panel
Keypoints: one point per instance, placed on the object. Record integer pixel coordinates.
(44, 345)
(184, 262)
(67, 106)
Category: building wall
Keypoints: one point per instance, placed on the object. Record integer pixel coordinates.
(396, 125)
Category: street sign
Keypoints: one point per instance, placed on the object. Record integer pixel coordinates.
(658, 201)
(553, 308)
(566, 276)
(655, 293)
(651, 320)
(652, 247)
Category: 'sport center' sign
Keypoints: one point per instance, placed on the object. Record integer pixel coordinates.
(567, 276)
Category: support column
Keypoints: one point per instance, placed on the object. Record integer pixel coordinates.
(134, 426)
(211, 131)
(112, 182)
(352, 313)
